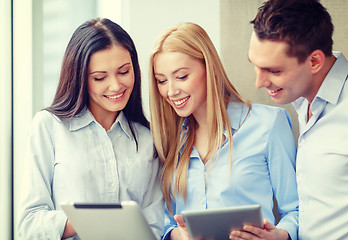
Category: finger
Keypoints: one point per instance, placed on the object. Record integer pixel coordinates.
(234, 235)
(238, 235)
(179, 234)
(180, 221)
(268, 226)
(255, 231)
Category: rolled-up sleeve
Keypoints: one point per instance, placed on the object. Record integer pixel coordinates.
(282, 161)
(169, 222)
(38, 218)
(153, 204)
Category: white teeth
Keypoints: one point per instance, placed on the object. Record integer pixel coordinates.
(115, 96)
(181, 101)
(274, 91)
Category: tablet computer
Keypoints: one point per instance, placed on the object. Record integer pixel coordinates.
(218, 223)
(108, 221)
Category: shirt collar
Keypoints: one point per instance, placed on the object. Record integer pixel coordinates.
(85, 118)
(122, 121)
(333, 83)
(236, 112)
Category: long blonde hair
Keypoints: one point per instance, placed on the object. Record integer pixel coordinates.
(166, 125)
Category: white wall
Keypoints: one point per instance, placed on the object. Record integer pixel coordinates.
(5, 120)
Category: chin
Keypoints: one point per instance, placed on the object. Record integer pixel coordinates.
(181, 114)
(282, 101)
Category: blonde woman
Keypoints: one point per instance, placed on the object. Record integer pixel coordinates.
(217, 149)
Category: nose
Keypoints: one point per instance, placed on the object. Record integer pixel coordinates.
(261, 78)
(114, 84)
(173, 89)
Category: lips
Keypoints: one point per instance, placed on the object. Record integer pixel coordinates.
(274, 93)
(180, 102)
(115, 97)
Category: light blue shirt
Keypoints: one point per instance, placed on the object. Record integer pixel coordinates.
(78, 161)
(322, 158)
(263, 167)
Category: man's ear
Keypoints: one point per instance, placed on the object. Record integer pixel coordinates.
(317, 60)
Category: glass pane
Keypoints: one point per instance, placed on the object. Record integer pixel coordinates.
(60, 19)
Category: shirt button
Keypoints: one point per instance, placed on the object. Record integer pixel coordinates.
(119, 134)
(113, 186)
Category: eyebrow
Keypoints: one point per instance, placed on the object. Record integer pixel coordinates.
(174, 72)
(182, 68)
(128, 63)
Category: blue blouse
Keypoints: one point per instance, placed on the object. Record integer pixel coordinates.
(78, 161)
(263, 167)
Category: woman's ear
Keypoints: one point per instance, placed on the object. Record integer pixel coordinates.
(317, 60)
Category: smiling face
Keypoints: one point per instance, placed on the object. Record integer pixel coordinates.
(181, 80)
(284, 78)
(110, 81)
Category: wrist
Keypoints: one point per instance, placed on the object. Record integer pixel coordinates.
(284, 235)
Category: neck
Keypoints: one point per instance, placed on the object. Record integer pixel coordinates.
(106, 119)
(201, 117)
(106, 122)
(320, 76)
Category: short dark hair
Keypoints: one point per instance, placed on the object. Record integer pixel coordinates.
(72, 94)
(304, 24)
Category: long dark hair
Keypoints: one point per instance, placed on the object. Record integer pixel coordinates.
(72, 95)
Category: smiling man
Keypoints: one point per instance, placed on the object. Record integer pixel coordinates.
(291, 49)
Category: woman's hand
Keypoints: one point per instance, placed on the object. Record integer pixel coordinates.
(270, 232)
(180, 232)
(69, 231)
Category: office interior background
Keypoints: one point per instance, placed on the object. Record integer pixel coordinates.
(33, 40)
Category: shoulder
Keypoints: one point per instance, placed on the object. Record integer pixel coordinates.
(256, 108)
(269, 115)
(269, 112)
(44, 117)
(259, 114)
(46, 121)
